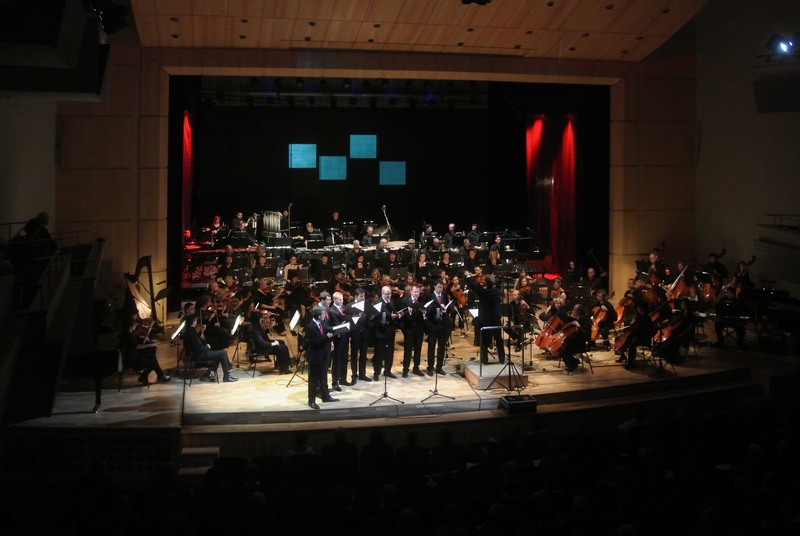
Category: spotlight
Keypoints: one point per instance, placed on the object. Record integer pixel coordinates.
(780, 45)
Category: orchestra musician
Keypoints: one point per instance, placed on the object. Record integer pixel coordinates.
(730, 314)
(574, 273)
(260, 270)
(519, 316)
(601, 308)
(369, 239)
(341, 343)
(594, 280)
(657, 270)
(291, 266)
(260, 326)
(556, 308)
(488, 313)
(498, 244)
(466, 248)
(227, 268)
(324, 270)
(473, 236)
(383, 326)
(259, 252)
(576, 343)
(201, 352)
(676, 332)
(459, 309)
(444, 263)
(265, 301)
(359, 336)
(449, 238)
(742, 279)
(139, 353)
(471, 261)
(353, 254)
(216, 226)
(558, 291)
(296, 297)
(413, 252)
(437, 324)
(358, 264)
(209, 310)
(635, 335)
(420, 268)
(413, 326)
(427, 236)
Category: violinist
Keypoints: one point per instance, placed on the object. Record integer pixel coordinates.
(523, 282)
(139, 353)
(296, 297)
(375, 282)
(603, 316)
(558, 291)
(261, 324)
(264, 301)
(575, 343)
(413, 326)
(458, 310)
(216, 336)
(635, 335)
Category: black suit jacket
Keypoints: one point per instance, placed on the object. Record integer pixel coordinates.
(383, 323)
(489, 308)
(435, 317)
(319, 345)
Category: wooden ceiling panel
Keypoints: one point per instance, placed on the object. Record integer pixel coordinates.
(251, 30)
(275, 33)
(209, 32)
(435, 34)
(350, 11)
(420, 25)
(281, 9)
(249, 9)
(340, 30)
(210, 8)
(416, 12)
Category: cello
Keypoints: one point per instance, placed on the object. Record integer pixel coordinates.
(560, 339)
(624, 304)
(598, 316)
(545, 337)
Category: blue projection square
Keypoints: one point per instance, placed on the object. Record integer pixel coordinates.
(302, 155)
(392, 174)
(332, 168)
(363, 146)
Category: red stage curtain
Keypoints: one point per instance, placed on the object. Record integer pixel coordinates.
(562, 213)
(188, 159)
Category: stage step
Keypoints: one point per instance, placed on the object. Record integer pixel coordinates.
(196, 461)
(494, 376)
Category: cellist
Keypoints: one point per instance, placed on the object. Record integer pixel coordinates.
(603, 317)
(576, 342)
(637, 334)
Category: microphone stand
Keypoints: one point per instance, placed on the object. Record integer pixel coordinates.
(385, 394)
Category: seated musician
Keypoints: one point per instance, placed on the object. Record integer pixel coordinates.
(436, 245)
(413, 252)
(523, 282)
(470, 260)
(449, 238)
(576, 343)
(374, 286)
(261, 270)
(730, 311)
(264, 301)
(443, 277)
(296, 297)
(212, 320)
(358, 264)
(459, 309)
(260, 326)
(427, 236)
(369, 239)
(716, 268)
(594, 280)
(393, 261)
(311, 233)
(466, 248)
(260, 251)
(139, 353)
(473, 235)
(742, 279)
(494, 262)
(339, 283)
(639, 333)
(556, 308)
(227, 268)
(201, 352)
(498, 244)
(574, 273)
(290, 266)
(324, 270)
(444, 263)
(382, 255)
(216, 225)
(657, 270)
(420, 268)
(558, 291)
(519, 315)
(597, 305)
(352, 254)
(676, 332)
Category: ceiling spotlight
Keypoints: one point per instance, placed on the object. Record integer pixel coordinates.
(780, 45)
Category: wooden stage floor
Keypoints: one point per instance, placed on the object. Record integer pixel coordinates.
(270, 401)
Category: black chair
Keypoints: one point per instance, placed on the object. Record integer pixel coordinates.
(190, 366)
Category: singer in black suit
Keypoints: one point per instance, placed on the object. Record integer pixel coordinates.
(384, 325)
(413, 331)
(318, 338)
(488, 315)
(341, 343)
(359, 336)
(438, 326)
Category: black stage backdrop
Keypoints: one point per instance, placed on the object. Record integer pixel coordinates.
(463, 165)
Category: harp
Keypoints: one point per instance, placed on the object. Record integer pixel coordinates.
(141, 289)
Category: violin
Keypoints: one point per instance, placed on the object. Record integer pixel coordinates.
(458, 296)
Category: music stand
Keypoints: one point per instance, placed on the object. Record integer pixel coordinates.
(398, 273)
(513, 372)
(385, 394)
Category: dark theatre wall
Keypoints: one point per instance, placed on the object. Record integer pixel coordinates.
(463, 165)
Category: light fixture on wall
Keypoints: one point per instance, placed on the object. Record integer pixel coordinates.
(782, 45)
